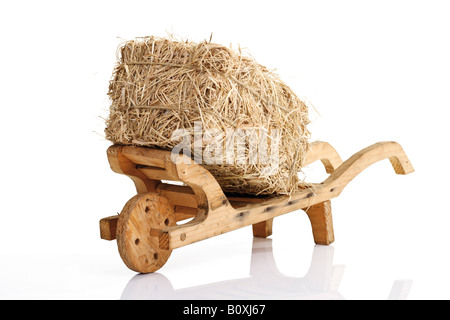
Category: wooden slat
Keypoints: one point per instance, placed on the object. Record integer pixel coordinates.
(122, 165)
(146, 156)
(178, 195)
(155, 173)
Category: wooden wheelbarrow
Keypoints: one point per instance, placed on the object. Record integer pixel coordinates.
(150, 225)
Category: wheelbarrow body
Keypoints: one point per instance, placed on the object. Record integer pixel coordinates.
(153, 222)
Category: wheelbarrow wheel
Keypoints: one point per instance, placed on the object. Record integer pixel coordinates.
(137, 247)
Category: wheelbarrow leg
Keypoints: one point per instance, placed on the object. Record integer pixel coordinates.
(263, 229)
(321, 222)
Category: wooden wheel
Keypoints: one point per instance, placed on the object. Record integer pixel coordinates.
(137, 247)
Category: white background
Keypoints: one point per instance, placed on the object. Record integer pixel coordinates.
(374, 71)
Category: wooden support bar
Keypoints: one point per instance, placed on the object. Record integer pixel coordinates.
(178, 195)
(146, 156)
(122, 165)
(183, 213)
(321, 222)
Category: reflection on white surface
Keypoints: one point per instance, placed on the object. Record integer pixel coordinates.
(264, 282)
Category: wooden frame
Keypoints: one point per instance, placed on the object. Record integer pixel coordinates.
(201, 198)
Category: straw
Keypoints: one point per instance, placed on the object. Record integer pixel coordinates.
(160, 85)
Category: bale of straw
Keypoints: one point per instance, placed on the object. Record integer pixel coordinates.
(162, 85)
